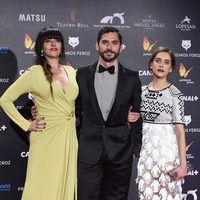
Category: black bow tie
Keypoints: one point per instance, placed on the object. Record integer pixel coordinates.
(110, 69)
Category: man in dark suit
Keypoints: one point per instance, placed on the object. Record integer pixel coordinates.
(107, 142)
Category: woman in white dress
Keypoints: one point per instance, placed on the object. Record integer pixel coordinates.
(162, 162)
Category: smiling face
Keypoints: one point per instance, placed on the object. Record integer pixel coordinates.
(109, 47)
(161, 65)
(43, 42)
(52, 48)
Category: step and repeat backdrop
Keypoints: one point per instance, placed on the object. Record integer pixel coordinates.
(144, 25)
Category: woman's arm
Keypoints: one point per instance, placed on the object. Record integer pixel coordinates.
(180, 135)
(19, 87)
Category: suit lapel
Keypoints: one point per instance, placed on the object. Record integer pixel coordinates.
(93, 97)
(120, 86)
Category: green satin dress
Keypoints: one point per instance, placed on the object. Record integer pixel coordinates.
(52, 162)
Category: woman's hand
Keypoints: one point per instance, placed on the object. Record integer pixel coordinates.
(178, 173)
(34, 112)
(37, 125)
(133, 116)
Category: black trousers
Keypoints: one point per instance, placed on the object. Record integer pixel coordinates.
(104, 180)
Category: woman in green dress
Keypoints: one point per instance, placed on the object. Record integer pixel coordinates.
(52, 163)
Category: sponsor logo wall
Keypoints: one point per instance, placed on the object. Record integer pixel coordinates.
(144, 25)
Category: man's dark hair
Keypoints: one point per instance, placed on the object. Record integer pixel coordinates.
(107, 29)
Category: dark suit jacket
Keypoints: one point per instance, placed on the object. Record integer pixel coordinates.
(119, 138)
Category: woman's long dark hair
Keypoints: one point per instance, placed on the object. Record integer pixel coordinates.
(44, 34)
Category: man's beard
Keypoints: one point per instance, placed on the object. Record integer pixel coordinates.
(108, 59)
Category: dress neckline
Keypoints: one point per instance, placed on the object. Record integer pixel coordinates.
(63, 90)
(149, 88)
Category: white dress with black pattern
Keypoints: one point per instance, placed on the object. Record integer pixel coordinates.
(159, 154)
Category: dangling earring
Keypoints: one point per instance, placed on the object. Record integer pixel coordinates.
(42, 53)
(60, 54)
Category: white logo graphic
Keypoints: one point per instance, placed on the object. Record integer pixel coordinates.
(5, 162)
(149, 23)
(30, 96)
(20, 188)
(32, 18)
(3, 128)
(186, 20)
(24, 154)
(123, 46)
(187, 119)
(73, 41)
(190, 98)
(185, 25)
(109, 19)
(186, 44)
(144, 73)
(193, 173)
(4, 80)
(189, 193)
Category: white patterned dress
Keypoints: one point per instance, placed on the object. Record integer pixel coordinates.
(159, 154)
